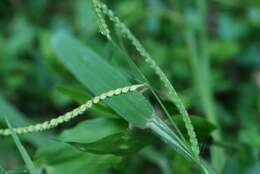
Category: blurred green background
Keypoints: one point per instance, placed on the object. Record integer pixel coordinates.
(32, 80)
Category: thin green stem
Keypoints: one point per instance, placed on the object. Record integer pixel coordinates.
(161, 129)
(142, 76)
(72, 114)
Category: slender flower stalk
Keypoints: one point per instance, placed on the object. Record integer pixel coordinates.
(148, 58)
(72, 114)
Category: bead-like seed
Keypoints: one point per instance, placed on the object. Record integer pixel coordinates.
(103, 96)
(38, 127)
(7, 132)
(67, 117)
(82, 108)
(110, 93)
(53, 122)
(96, 100)
(89, 104)
(125, 89)
(30, 128)
(18, 130)
(117, 91)
(133, 88)
(45, 125)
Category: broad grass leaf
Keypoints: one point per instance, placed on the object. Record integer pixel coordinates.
(61, 158)
(74, 93)
(98, 76)
(124, 143)
(92, 130)
(106, 136)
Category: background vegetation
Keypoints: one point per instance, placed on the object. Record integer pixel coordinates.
(208, 49)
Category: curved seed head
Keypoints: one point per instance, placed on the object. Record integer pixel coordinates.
(69, 115)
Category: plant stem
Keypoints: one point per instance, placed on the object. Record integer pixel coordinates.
(144, 79)
(168, 136)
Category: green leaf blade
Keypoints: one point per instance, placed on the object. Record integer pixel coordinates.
(98, 76)
(106, 136)
(61, 158)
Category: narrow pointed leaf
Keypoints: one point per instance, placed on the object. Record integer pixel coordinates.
(28, 162)
(14, 116)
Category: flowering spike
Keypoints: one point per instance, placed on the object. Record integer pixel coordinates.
(72, 114)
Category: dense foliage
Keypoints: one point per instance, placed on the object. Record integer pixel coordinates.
(197, 108)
